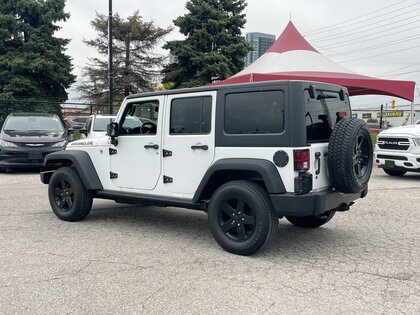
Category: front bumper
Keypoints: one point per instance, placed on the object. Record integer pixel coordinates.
(23, 157)
(397, 160)
(290, 204)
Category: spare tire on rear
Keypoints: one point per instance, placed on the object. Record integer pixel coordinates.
(350, 156)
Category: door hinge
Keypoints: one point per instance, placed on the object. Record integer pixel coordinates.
(113, 175)
(112, 151)
(167, 179)
(167, 153)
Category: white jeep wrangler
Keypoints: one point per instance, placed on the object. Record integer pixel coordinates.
(247, 154)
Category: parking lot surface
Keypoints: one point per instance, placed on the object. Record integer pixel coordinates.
(126, 259)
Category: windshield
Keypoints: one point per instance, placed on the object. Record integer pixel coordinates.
(100, 123)
(33, 123)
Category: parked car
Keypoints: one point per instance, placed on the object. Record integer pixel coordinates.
(76, 122)
(374, 128)
(26, 138)
(397, 150)
(96, 126)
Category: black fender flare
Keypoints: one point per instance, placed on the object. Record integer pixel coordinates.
(266, 169)
(83, 164)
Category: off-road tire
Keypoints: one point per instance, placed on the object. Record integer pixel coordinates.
(394, 172)
(311, 221)
(241, 217)
(350, 156)
(69, 198)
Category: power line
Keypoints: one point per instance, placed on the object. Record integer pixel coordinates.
(352, 19)
(387, 53)
(397, 41)
(338, 35)
(369, 38)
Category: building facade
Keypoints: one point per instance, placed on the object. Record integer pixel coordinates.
(260, 43)
(393, 117)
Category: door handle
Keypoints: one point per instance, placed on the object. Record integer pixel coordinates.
(204, 147)
(151, 146)
(317, 158)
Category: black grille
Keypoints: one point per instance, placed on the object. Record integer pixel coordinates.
(401, 144)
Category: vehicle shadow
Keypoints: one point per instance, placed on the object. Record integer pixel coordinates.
(187, 224)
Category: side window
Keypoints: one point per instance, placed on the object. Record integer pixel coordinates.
(140, 118)
(254, 112)
(191, 115)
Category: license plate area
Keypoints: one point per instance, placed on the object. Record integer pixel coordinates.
(389, 164)
(35, 155)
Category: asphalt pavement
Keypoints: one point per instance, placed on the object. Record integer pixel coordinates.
(125, 259)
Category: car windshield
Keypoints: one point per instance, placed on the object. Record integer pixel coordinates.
(100, 123)
(33, 123)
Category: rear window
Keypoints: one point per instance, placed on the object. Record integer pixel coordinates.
(254, 112)
(323, 113)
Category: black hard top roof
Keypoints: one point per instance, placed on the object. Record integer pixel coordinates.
(33, 114)
(232, 86)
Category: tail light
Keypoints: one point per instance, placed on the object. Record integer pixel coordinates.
(302, 162)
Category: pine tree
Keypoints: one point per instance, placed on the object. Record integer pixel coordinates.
(136, 65)
(213, 49)
(33, 64)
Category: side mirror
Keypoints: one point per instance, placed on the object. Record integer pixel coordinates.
(70, 131)
(83, 131)
(312, 92)
(112, 131)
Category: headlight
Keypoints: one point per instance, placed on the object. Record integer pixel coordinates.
(416, 142)
(59, 144)
(7, 144)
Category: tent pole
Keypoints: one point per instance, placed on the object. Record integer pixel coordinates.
(412, 113)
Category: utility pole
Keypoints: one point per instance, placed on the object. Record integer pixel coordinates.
(380, 117)
(110, 57)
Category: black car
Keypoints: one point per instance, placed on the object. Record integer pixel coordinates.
(26, 138)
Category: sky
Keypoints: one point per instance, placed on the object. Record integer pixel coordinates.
(378, 38)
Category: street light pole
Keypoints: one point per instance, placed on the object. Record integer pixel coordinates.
(110, 79)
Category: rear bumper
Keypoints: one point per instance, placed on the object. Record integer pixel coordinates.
(290, 204)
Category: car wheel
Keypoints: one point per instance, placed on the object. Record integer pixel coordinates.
(69, 198)
(394, 172)
(311, 221)
(241, 217)
(350, 155)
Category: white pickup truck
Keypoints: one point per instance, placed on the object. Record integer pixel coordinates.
(397, 150)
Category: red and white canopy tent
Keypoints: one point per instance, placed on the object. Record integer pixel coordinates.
(291, 57)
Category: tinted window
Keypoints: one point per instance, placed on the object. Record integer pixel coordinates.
(254, 112)
(323, 113)
(191, 115)
(33, 123)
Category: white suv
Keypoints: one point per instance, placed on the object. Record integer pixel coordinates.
(397, 150)
(247, 154)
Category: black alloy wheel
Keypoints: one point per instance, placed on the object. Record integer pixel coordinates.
(241, 217)
(69, 198)
(237, 219)
(361, 157)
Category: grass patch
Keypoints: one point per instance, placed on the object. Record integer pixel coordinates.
(374, 137)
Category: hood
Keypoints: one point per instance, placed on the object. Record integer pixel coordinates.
(31, 136)
(410, 130)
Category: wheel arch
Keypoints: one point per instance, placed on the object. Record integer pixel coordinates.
(225, 170)
(81, 161)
